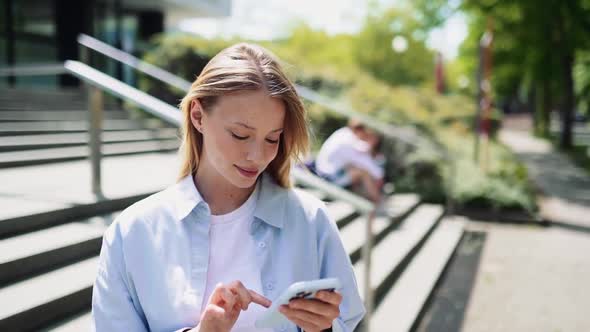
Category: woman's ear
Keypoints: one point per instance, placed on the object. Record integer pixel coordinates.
(196, 114)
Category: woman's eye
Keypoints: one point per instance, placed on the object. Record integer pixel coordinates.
(272, 141)
(241, 138)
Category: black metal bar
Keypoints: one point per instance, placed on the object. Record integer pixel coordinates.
(10, 38)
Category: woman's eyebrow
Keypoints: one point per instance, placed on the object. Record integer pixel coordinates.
(252, 128)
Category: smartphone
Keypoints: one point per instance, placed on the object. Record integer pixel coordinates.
(272, 317)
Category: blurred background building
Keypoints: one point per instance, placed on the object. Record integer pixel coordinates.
(45, 32)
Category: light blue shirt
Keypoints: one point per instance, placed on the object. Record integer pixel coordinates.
(153, 262)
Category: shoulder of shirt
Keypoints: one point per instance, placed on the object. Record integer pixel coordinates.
(295, 202)
(313, 208)
(144, 211)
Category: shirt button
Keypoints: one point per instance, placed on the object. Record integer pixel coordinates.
(261, 245)
(270, 286)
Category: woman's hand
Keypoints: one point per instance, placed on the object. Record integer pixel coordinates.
(314, 315)
(225, 304)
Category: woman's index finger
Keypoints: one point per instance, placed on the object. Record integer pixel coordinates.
(259, 299)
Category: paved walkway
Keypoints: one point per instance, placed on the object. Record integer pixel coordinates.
(530, 279)
(564, 189)
(533, 278)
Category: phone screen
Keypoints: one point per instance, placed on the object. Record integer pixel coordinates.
(306, 295)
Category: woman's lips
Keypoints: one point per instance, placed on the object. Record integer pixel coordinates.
(247, 172)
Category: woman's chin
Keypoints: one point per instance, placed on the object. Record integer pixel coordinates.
(244, 182)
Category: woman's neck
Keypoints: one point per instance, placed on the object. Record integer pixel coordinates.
(221, 195)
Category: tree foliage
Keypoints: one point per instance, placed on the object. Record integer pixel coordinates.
(536, 46)
(374, 52)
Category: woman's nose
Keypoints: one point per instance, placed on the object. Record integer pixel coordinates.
(255, 152)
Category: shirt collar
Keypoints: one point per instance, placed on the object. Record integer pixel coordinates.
(271, 202)
(187, 197)
(269, 206)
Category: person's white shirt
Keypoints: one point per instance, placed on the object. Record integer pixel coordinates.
(232, 252)
(343, 148)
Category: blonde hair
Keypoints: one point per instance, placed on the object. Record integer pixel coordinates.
(238, 68)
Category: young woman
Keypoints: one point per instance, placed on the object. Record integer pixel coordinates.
(212, 251)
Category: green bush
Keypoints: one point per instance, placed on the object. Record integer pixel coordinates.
(502, 185)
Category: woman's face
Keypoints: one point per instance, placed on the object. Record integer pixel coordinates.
(241, 135)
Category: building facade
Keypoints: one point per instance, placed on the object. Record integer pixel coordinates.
(45, 31)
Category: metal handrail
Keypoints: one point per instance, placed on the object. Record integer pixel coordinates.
(55, 68)
(122, 90)
(134, 62)
(307, 179)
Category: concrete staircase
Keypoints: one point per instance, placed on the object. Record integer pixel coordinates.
(47, 271)
(48, 257)
(38, 127)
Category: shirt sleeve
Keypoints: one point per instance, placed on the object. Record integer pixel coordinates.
(112, 306)
(363, 160)
(335, 263)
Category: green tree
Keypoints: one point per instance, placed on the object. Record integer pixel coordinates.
(538, 50)
(543, 38)
(374, 53)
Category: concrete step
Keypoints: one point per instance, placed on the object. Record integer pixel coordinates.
(49, 100)
(82, 114)
(4, 134)
(44, 141)
(354, 234)
(61, 106)
(392, 254)
(318, 194)
(42, 189)
(398, 204)
(341, 212)
(80, 125)
(38, 301)
(35, 102)
(51, 104)
(77, 323)
(37, 91)
(32, 253)
(405, 301)
(30, 223)
(44, 156)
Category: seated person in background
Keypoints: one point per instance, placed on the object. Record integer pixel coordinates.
(347, 158)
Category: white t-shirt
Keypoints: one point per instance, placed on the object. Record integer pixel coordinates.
(232, 257)
(344, 148)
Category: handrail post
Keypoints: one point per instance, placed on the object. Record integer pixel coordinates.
(451, 185)
(95, 105)
(83, 54)
(366, 258)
